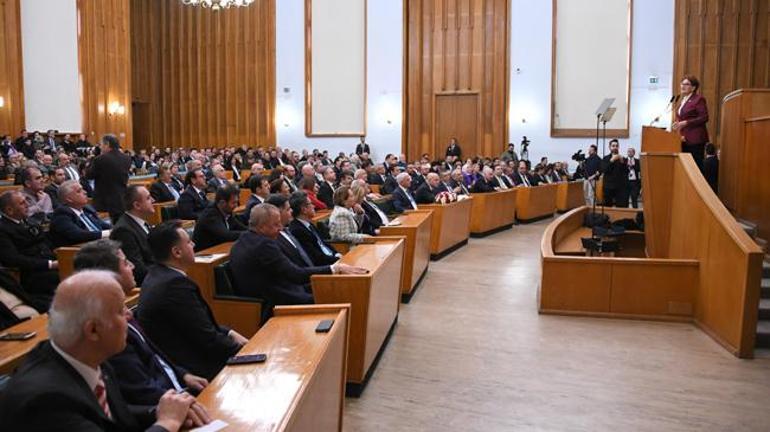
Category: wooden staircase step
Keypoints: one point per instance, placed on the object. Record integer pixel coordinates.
(764, 309)
(763, 334)
(765, 288)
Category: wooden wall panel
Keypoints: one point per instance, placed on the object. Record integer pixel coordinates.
(456, 47)
(205, 78)
(105, 67)
(11, 74)
(725, 44)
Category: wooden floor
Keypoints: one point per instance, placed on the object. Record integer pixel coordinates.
(470, 353)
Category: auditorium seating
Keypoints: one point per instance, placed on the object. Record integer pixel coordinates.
(493, 212)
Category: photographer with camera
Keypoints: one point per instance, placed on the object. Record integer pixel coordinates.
(589, 168)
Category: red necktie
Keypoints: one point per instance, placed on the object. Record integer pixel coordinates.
(101, 396)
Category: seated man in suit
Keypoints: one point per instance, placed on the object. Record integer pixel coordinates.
(289, 245)
(65, 384)
(75, 221)
(143, 373)
(500, 182)
(193, 200)
(172, 310)
(25, 246)
(378, 176)
(302, 228)
(217, 224)
(420, 176)
(485, 183)
(426, 194)
(390, 184)
(402, 197)
(522, 177)
(55, 178)
(218, 179)
(260, 189)
(164, 189)
(374, 215)
(458, 184)
(327, 187)
(261, 270)
(131, 230)
(38, 202)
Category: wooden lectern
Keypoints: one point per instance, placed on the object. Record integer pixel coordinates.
(657, 140)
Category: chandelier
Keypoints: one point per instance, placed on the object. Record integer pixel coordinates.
(218, 4)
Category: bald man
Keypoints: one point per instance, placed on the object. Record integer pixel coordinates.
(64, 383)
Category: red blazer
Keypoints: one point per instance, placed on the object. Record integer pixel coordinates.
(696, 113)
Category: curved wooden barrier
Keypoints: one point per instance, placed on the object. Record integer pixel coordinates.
(569, 195)
(492, 212)
(451, 226)
(536, 202)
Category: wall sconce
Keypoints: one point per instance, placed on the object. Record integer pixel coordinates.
(2, 101)
(115, 108)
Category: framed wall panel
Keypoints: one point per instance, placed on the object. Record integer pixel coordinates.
(335, 67)
(591, 61)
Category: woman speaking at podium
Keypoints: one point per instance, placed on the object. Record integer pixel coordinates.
(691, 118)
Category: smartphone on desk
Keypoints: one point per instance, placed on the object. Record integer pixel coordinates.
(247, 359)
(17, 336)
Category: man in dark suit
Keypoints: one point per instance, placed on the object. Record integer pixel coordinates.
(56, 177)
(457, 183)
(164, 189)
(172, 310)
(218, 179)
(193, 200)
(362, 147)
(302, 228)
(260, 189)
(378, 177)
(327, 187)
(485, 183)
(402, 197)
(24, 245)
(217, 224)
(289, 245)
(261, 269)
(143, 372)
(426, 194)
(711, 167)
(70, 171)
(499, 181)
(522, 177)
(419, 176)
(390, 184)
(132, 229)
(65, 384)
(615, 172)
(75, 221)
(453, 149)
(634, 177)
(109, 171)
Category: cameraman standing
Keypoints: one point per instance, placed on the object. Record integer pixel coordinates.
(591, 168)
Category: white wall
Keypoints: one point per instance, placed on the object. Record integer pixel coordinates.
(384, 79)
(49, 36)
(652, 54)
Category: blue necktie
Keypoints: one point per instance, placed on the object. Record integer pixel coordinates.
(321, 244)
(89, 225)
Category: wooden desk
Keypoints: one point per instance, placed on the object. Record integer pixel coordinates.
(321, 215)
(243, 316)
(301, 385)
(416, 227)
(569, 195)
(13, 352)
(493, 212)
(66, 257)
(450, 228)
(536, 202)
(157, 216)
(374, 300)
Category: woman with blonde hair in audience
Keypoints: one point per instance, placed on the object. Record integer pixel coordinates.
(309, 185)
(348, 216)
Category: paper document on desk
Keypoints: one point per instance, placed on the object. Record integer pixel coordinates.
(394, 222)
(214, 426)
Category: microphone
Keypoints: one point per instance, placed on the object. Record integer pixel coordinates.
(674, 99)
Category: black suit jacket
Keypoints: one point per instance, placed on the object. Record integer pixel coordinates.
(372, 217)
(453, 151)
(417, 181)
(711, 172)
(463, 189)
(375, 179)
(215, 184)
(47, 393)
(24, 247)
(178, 320)
(68, 229)
(110, 174)
(309, 238)
(191, 204)
(426, 195)
(133, 241)
(214, 228)
(53, 191)
(326, 194)
(362, 148)
(139, 374)
(253, 200)
(160, 192)
(615, 173)
(483, 186)
(389, 185)
(401, 201)
(261, 270)
(518, 179)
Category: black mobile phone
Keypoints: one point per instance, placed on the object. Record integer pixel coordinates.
(324, 326)
(247, 359)
(17, 336)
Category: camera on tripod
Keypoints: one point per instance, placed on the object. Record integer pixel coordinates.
(579, 156)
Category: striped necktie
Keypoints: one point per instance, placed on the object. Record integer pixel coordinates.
(101, 396)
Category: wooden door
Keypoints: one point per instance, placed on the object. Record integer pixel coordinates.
(456, 116)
